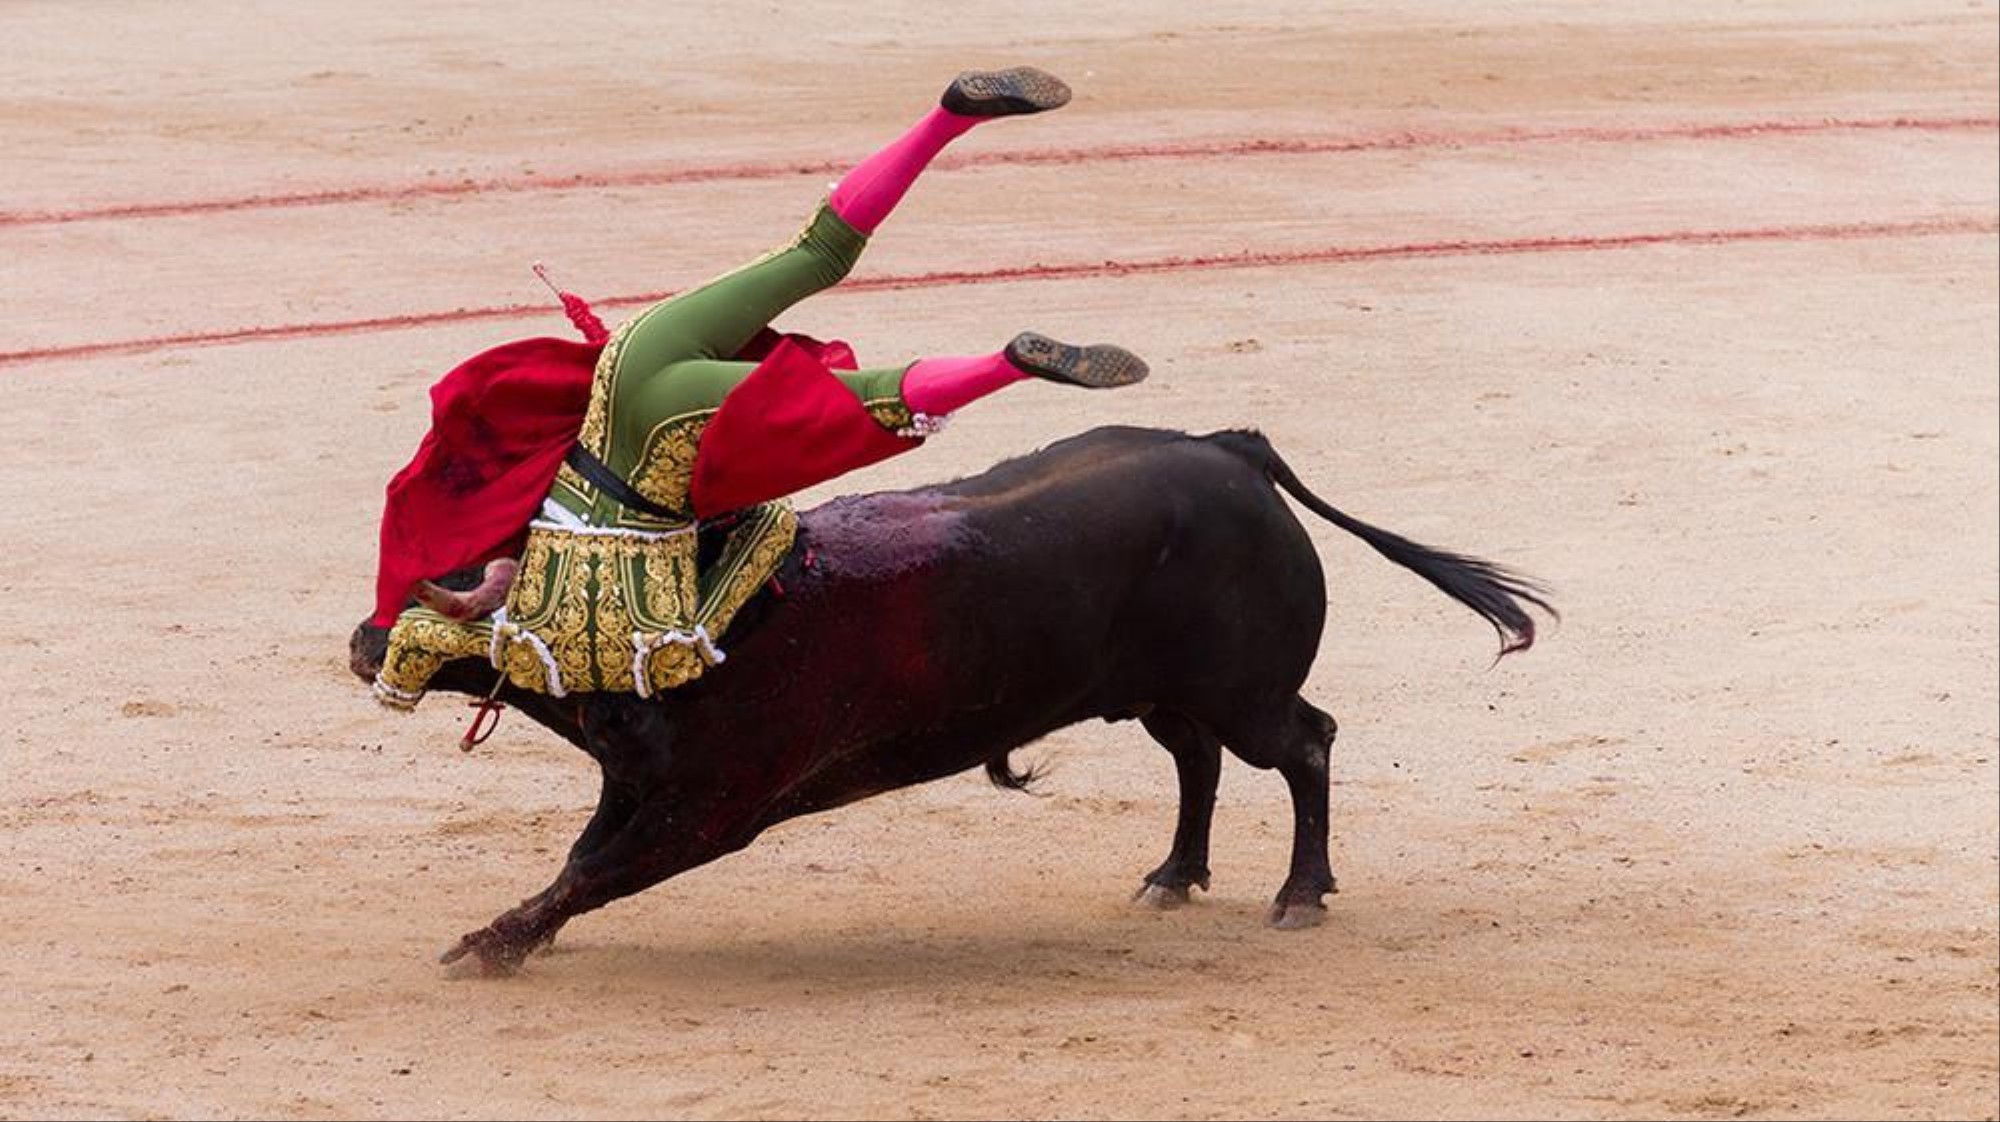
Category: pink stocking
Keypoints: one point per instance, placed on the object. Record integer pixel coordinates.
(866, 195)
(937, 386)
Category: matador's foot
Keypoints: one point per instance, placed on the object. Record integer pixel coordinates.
(1098, 367)
(1005, 93)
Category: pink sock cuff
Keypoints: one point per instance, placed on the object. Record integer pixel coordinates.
(937, 386)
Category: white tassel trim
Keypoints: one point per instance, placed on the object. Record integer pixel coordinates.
(506, 633)
(642, 648)
(924, 424)
(581, 530)
(390, 697)
(553, 511)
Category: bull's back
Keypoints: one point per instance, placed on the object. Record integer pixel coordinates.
(929, 631)
(1135, 560)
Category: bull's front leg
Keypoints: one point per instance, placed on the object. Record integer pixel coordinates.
(500, 946)
(616, 804)
(668, 806)
(659, 840)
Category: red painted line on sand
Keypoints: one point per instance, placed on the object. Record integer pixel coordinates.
(1249, 259)
(1180, 150)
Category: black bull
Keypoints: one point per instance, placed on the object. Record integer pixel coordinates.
(1125, 573)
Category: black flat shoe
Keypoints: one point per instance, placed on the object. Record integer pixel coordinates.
(1005, 93)
(1098, 367)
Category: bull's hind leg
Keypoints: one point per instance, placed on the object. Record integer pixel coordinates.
(1198, 763)
(1297, 748)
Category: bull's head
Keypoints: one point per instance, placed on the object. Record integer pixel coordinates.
(465, 594)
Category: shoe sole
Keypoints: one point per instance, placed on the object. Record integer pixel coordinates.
(1098, 367)
(1006, 93)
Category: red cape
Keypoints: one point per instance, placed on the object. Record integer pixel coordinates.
(787, 426)
(503, 420)
(501, 423)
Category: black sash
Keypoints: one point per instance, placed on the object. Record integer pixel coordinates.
(611, 483)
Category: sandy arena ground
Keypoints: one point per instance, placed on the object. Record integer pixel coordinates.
(1689, 310)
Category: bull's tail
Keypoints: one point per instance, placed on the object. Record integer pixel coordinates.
(1000, 772)
(1499, 595)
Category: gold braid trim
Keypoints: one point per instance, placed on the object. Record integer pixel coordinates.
(420, 643)
(551, 598)
(890, 413)
(666, 465)
(577, 601)
(597, 416)
(753, 551)
(588, 610)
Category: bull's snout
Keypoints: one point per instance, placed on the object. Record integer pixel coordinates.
(366, 650)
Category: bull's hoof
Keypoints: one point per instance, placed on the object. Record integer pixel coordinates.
(485, 953)
(1298, 916)
(1162, 897)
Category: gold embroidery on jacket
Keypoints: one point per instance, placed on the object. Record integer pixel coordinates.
(666, 464)
(423, 641)
(890, 413)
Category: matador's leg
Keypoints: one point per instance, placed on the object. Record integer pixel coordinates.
(866, 195)
(715, 320)
(931, 386)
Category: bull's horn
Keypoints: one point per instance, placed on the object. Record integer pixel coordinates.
(481, 601)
